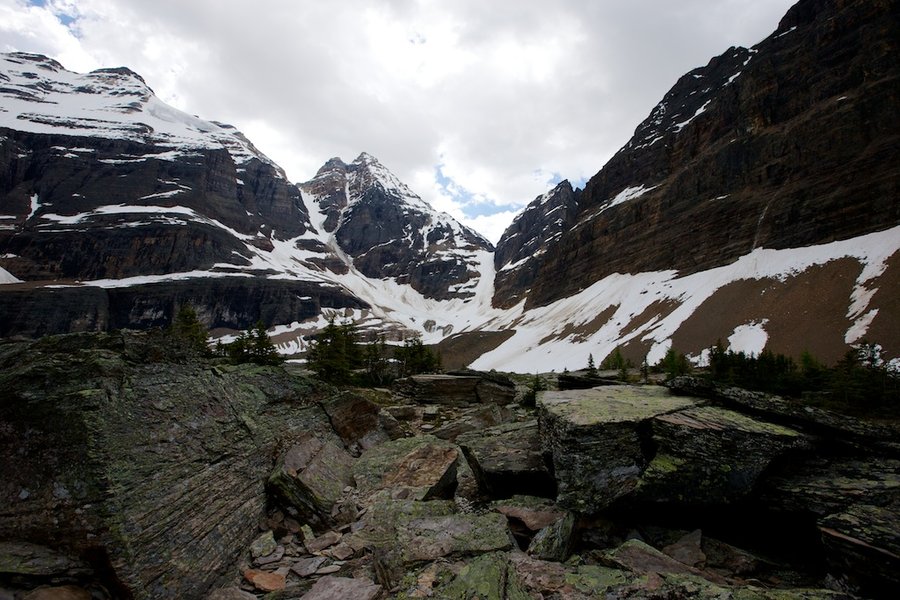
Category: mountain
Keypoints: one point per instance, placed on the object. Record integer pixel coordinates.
(527, 239)
(388, 231)
(115, 207)
(756, 206)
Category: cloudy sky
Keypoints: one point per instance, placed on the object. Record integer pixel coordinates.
(478, 105)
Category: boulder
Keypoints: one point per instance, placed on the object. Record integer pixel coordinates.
(533, 512)
(710, 455)
(439, 389)
(61, 592)
(472, 419)
(419, 468)
(356, 420)
(230, 593)
(379, 526)
(487, 577)
(650, 446)
(595, 437)
(554, 542)
(863, 544)
(310, 477)
(507, 459)
(155, 469)
(458, 388)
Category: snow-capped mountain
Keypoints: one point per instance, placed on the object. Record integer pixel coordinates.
(756, 205)
(387, 231)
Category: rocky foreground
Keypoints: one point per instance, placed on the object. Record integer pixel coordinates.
(132, 472)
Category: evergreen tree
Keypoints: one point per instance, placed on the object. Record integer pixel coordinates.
(413, 358)
(591, 368)
(335, 353)
(675, 364)
(376, 361)
(254, 345)
(187, 332)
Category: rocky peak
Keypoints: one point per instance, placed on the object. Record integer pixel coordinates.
(389, 231)
(519, 251)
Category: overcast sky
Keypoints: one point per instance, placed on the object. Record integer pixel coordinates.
(478, 105)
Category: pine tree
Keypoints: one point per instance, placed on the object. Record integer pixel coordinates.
(591, 368)
(188, 332)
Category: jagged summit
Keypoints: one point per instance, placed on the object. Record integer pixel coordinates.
(388, 231)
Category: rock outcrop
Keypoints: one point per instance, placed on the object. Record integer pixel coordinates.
(149, 470)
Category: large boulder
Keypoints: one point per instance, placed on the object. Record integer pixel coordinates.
(310, 478)
(710, 455)
(507, 460)
(458, 388)
(595, 438)
(151, 470)
(641, 442)
(418, 468)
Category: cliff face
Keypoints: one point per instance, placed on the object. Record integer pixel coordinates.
(791, 143)
(521, 248)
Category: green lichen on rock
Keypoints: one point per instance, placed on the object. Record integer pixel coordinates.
(487, 577)
(431, 538)
(611, 404)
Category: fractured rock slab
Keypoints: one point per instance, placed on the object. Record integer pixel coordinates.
(418, 468)
(711, 455)
(342, 588)
(311, 477)
(595, 440)
(430, 538)
(508, 460)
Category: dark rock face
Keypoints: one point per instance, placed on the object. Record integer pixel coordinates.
(142, 241)
(230, 302)
(153, 467)
(519, 250)
(388, 231)
(784, 145)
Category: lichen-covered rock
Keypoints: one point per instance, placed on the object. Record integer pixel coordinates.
(109, 450)
(264, 545)
(385, 517)
(439, 389)
(863, 542)
(310, 477)
(554, 541)
(533, 512)
(710, 455)
(356, 420)
(595, 439)
(430, 538)
(418, 468)
(487, 577)
(343, 588)
(507, 459)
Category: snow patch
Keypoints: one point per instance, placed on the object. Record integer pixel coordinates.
(7, 277)
(750, 338)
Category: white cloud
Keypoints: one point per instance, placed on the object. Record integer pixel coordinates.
(503, 94)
